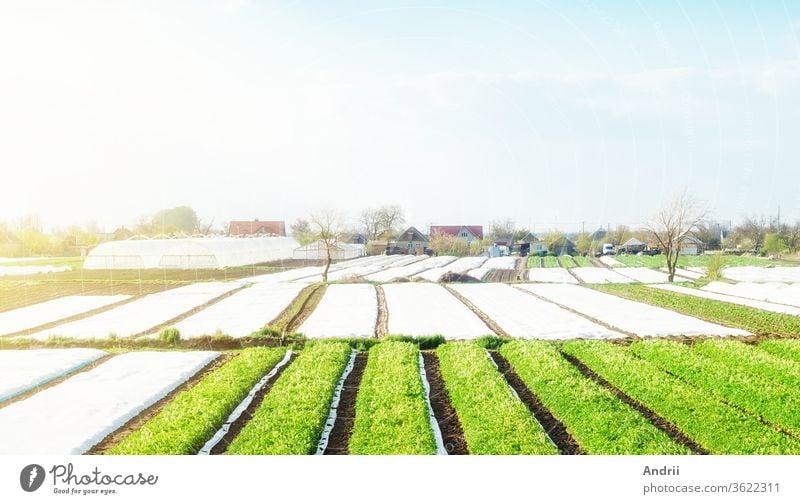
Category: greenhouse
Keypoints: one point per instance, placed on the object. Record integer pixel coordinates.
(189, 253)
(318, 250)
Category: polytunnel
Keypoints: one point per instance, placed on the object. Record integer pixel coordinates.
(189, 253)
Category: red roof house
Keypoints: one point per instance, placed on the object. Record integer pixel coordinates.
(257, 227)
(469, 233)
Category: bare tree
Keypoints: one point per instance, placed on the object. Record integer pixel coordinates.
(673, 225)
(327, 227)
(377, 221)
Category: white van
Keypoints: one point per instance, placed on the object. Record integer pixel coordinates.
(608, 249)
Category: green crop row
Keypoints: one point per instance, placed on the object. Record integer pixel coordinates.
(493, 419)
(534, 261)
(550, 262)
(658, 261)
(391, 411)
(566, 261)
(582, 262)
(714, 425)
(594, 416)
(290, 419)
(786, 349)
(751, 361)
(753, 393)
(190, 420)
(751, 319)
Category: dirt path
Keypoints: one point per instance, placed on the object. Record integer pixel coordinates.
(339, 439)
(382, 322)
(446, 416)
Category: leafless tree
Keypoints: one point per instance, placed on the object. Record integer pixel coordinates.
(327, 227)
(377, 221)
(673, 224)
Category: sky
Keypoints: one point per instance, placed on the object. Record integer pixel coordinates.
(557, 114)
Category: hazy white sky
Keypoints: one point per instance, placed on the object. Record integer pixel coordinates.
(551, 113)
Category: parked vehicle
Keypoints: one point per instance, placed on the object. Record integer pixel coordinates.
(608, 249)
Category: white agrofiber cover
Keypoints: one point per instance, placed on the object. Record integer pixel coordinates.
(459, 266)
(686, 273)
(610, 261)
(643, 275)
(522, 315)
(305, 274)
(410, 269)
(753, 303)
(591, 275)
(760, 274)
(242, 313)
(73, 416)
(504, 262)
(142, 314)
(774, 292)
(425, 309)
(629, 316)
(23, 370)
(31, 270)
(346, 310)
(28, 317)
(551, 275)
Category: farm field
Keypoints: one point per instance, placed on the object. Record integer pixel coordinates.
(629, 316)
(566, 261)
(687, 261)
(643, 275)
(520, 396)
(525, 316)
(242, 313)
(346, 310)
(410, 270)
(418, 309)
(458, 267)
(549, 261)
(89, 406)
(30, 317)
(582, 262)
(141, 315)
(610, 261)
(23, 370)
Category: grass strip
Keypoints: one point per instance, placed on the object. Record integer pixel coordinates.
(291, 417)
(391, 412)
(729, 314)
(788, 349)
(594, 416)
(759, 396)
(494, 420)
(195, 415)
(714, 425)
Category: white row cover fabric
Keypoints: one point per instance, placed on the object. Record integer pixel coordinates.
(141, 314)
(242, 313)
(643, 275)
(459, 267)
(410, 270)
(73, 416)
(28, 317)
(626, 315)
(590, 275)
(189, 253)
(23, 370)
(761, 274)
(31, 270)
(425, 309)
(346, 310)
(752, 303)
(610, 261)
(551, 275)
(524, 316)
(774, 292)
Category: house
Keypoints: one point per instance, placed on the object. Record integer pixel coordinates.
(598, 235)
(466, 233)
(357, 238)
(412, 241)
(535, 246)
(692, 246)
(632, 246)
(563, 246)
(256, 228)
(318, 251)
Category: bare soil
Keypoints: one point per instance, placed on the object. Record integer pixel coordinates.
(339, 439)
(446, 416)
